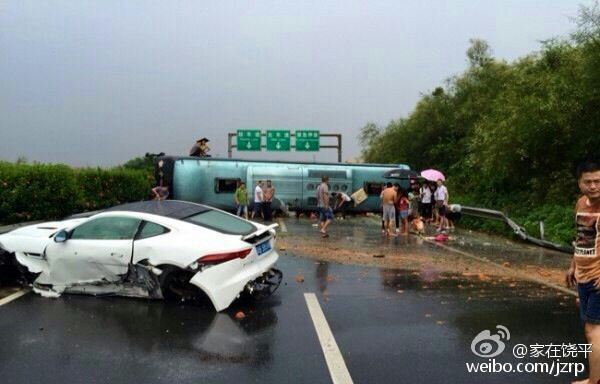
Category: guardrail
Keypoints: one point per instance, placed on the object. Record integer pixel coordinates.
(517, 229)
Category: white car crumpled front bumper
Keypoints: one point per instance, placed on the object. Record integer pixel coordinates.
(223, 283)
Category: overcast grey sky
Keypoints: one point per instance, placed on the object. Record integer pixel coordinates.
(100, 82)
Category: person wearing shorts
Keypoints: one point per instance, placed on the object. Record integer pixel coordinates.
(325, 212)
(325, 216)
(160, 192)
(585, 265)
(402, 212)
(388, 201)
(441, 201)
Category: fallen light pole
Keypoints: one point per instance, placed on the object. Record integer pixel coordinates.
(517, 229)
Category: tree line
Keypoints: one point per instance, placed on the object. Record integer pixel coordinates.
(506, 127)
(506, 134)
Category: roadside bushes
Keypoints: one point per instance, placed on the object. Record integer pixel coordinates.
(102, 188)
(51, 191)
(558, 217)
(35, 192)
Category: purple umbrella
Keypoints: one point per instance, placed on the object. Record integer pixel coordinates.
(432, 175)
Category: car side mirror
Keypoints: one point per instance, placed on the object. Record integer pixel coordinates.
(61, 236)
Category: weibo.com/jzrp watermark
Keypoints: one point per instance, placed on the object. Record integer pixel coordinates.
(488, 345)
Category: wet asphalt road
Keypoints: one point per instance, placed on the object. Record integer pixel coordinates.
(392, 326)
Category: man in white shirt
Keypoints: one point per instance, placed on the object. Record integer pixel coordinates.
(342, 202)
(258, 199)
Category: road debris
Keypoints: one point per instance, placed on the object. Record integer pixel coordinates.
(240, 315)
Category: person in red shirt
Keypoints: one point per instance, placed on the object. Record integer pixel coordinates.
(402, 206)
(585, 265)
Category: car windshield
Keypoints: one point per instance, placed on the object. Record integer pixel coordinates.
(222, 222)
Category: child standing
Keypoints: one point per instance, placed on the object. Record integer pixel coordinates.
(403, 203)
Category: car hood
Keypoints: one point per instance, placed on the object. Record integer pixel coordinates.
(33, 238)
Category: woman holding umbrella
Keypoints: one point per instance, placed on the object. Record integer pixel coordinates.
(440, 195)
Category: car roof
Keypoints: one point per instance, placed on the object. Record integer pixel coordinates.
(174, 209)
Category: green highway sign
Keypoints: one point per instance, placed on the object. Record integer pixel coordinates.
(248, 140)
(278, 140)
(307, 140)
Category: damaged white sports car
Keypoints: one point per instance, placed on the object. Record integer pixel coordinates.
(155, 249)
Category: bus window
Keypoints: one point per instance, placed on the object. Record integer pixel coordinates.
(226, 185)
(373, 187)
(317, 174)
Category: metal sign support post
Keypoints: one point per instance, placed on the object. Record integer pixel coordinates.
(338, 136)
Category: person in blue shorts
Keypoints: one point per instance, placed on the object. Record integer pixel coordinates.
(584, 271)
(325, 211)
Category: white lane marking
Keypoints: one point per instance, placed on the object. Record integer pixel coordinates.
(14, 296)
(514, 272)
(335, 362)
(282, 225)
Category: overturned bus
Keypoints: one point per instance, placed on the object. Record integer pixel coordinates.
(213, 181)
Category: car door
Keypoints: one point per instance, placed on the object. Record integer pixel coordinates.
(98, 250)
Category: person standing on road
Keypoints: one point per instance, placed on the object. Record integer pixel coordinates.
(403, 205)
(426, 202)
(388, 201)
(268, 194)
(441, 201)
(258, 199)
(398, 189)
(325, 212)
(414, 198)
(241, 200)
(584, 271)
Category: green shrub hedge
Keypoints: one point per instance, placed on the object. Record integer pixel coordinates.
(52, 191)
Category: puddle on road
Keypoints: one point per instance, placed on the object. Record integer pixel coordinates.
(332, 278)
(466, 287)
